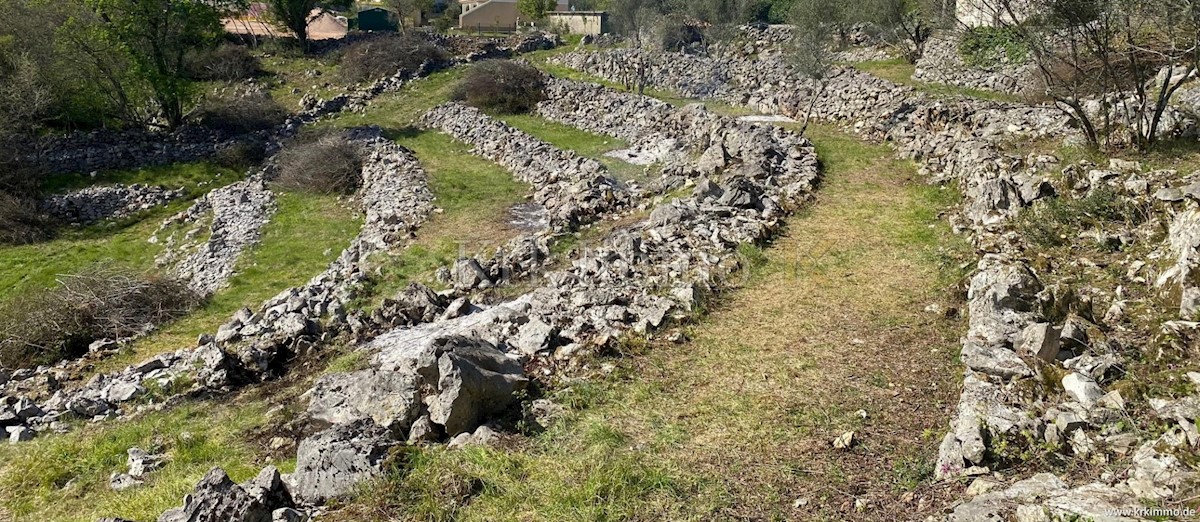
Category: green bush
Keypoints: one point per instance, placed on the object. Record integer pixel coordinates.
(988, 46)
(503, 86)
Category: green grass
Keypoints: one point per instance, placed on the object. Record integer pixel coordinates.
(197, 178)
(475, 196)
(65, 477)
(578, 141)
(286, 70)
(34, 266)
(306, 233)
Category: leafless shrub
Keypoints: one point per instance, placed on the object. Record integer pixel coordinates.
(325, 163)
(503, 86)
(377, 58)
(240, 112)
(45, 326)
(228, 62)
(20, 220)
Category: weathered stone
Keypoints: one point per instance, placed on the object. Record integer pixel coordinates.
(330, 464)
(475, 380)
(218, 499)
(389, 398)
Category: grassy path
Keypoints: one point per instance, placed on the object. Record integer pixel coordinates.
(737, 423)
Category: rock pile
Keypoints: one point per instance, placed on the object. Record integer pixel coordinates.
(233, 215)
(573, 189)
(941, 62)
(88, 205)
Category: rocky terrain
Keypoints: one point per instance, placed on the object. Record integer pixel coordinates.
(1048, 352)
(1077, 398)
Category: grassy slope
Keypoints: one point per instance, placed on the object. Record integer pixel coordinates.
(37, 265)
(737, 423)
(65, 477)
(305, 234)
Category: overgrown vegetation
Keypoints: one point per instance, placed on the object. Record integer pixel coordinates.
(381, 57)
(986, 46)
(233, 111)
(321, 163)
(43, 327)
(226, 62)
(1112, 66)
(502, 86)
(1059, 221)
(21, 221)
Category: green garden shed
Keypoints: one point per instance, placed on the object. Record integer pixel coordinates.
(377, 19)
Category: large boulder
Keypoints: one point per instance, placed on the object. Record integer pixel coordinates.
(218, 499)
(331, 463)
(389, 398)
(476, 380)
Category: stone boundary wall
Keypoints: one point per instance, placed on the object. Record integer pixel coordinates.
(574, 190)
(959, 139)
(942, 63)
(233, 216)
(91, 204)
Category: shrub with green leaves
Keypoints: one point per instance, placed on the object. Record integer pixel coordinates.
(989, 46)
(1059, 221)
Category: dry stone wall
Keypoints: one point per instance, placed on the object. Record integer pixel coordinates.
(573, 189)
(91, 204)
(1015, 314)
(941, 63)
(232, 217)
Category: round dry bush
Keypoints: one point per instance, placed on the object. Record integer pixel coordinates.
(502, 86)
(227, 62)
(381, 57)
(239, 112)
(320, 163)
(46, 326)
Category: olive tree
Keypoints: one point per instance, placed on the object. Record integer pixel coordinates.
(1110, 65)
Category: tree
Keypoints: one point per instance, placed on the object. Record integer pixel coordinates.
(414, 9)
(911, 21)
(535, 9)
(156, 35)
(1110, 64)
(295, 15)
(810, 43)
